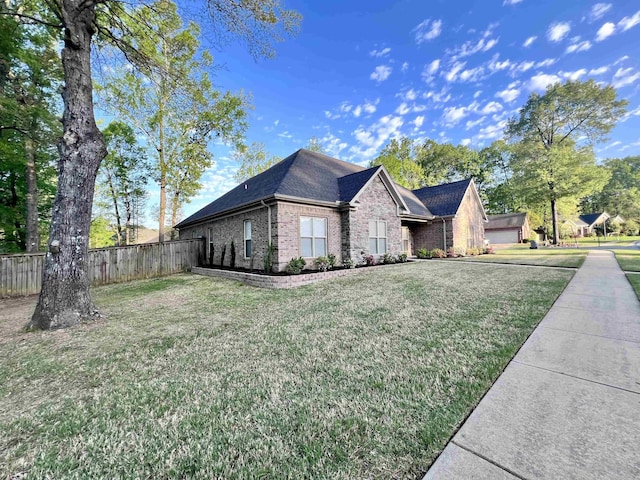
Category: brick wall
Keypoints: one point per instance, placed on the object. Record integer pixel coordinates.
(287, 241)
(468, 226)
(232, 228)
(429, 235)
(375, 203)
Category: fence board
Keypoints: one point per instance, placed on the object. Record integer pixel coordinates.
(22, 274)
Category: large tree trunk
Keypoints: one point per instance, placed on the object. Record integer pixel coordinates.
(33, 237)
(554, 222)
(114, 198)
(65, 299)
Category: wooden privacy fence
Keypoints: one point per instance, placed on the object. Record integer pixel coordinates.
(22, 274)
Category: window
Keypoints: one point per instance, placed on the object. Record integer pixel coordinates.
(377, 237)
(210, 250)
(405, 240)
(247, 238)
(313, 237)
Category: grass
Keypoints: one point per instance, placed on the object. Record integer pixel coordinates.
(634, 280)
(543, 256)
(629, 260)
(613, 239)
(193, 377)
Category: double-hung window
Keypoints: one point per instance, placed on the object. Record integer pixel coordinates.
(210, 241)
(247, 238)
(313, 237)
(377, 237)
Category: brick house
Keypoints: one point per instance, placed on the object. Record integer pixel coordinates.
(311, 205)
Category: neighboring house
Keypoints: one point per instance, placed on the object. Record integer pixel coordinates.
(574, 227)
(507, 228)
(311, 205)
(593, 220)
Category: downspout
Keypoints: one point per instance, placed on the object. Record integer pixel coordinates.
(268, 220)
(444, 234)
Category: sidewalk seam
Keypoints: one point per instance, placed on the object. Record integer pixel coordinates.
(487, 459)
(574, 376)
(590, 334)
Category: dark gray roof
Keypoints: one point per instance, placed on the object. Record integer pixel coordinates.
(589, 218)
(443, 200)
(506, 220)
(304, 174)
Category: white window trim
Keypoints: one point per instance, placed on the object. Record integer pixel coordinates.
(378, 238)
(313, 237)
(244, 235)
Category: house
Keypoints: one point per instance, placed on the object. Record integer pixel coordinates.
(594, 220)
(507, 228)
(574, 227)
(312, 205)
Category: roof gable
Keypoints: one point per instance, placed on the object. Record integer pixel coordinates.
(593, 218)
(443, 200)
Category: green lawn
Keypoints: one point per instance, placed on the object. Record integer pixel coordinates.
(193, 377)
(629, 260)
(545, 256)
(611, 240)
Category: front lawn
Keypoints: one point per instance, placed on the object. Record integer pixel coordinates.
(193, 377)
(611, 240)
(544, 256)
(629, 260)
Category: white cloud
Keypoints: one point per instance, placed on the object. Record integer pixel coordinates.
(605, 31)
(547, 62)
(523, 66)
(472, 75)
(370, 107)
(405, 67)
(629, 22)
(332, 144)
(465, 142)
(419, 120)
(331, 115)
(624, 77)
(511, 2)
(598, 10)
(357, 110)
(428, 30)
(491, 107)
(380, 53)
(403, 109)
(492, 131)
(453, 115)
(495, 65)
(372, 138)
(411, 94)
(541, 81)
(452, 74)
(381, 73)
(529, 41)
(573, 76)
(285, 134)
(474, 123)
(477, 94)
(443, 96)
(433, 67)
(598, 71)
(579, 47)
(557, 31)
(508, 95)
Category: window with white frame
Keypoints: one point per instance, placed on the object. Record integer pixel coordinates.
(247, 238)
(405, 240)
(210, 249)
(313, 237)
(377, 237)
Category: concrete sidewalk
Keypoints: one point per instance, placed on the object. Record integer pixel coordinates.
(568, 404)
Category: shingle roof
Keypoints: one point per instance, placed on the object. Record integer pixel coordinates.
(590, 218)
(506, 220)
(443, 200)
(304, 174)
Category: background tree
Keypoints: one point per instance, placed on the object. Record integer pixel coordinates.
(65, 297)
(399, 158)
(547, 131)
(254, 160)
(315, 146)
(123, 177)
(29, 76)
(175, 106)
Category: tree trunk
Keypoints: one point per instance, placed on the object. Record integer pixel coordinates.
(554, 222)
(175, 206)
(65, 298)
(114, 197)
(33, 237)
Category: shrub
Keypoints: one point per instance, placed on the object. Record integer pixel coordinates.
(322, 263)
(268, 257)
(232, 263)
(222, 254)
(348, 263)
(437, 253)
(423, 253)
(473, 251)
(387, 259)
(451, 252)
(488, 250)
(369, 260)
(460, 251)
(332, 260)
(295, 265)
(402, 258)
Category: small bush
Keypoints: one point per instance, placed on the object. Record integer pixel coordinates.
(332, 260)
(488, 250)
(387, 259)
(348, 263)
(460, 251)
(402, 258)
(268, 257)
(322, 263)
(369, 260)
(473, 251)
(423, 253)
(451, 252)
(438, 253)
(232, 264)
(295, 265)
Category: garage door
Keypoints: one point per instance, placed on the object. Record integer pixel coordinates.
(501, 236)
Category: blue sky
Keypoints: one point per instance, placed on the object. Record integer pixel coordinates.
(363, 72)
